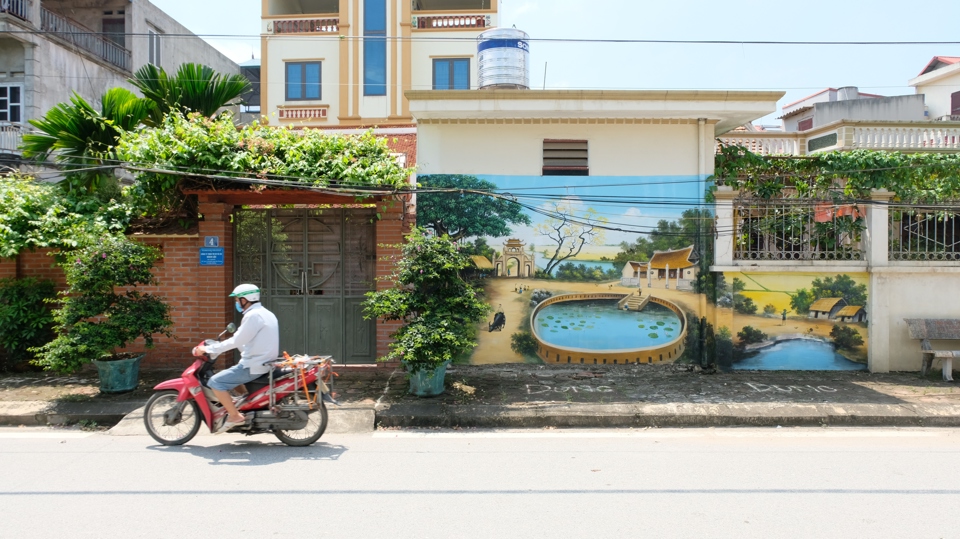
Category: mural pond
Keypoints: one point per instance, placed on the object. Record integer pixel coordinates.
(599, 325)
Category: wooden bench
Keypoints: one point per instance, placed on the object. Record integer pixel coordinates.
(935, 329)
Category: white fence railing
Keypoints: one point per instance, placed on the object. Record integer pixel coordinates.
(764, 145)
(906, 138)
(11, 135)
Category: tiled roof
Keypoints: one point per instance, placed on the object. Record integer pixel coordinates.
(637, 265)
(939, 61)
(481, 262)
(825, 305)
(849, 310)
(675, 259)
(795, 111)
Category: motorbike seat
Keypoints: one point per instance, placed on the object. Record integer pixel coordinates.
(264, 380)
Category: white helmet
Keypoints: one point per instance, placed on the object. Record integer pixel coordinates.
(250, 292)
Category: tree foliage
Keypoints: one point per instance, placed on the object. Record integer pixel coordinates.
(846, 338)
(194, 88)
(569, 230)
(439, 308)
(750, 335)
(80, 137)
(102, 311)
(841, 286)
(36, 215)
(461, 214)
(197, 146)
(692, 228)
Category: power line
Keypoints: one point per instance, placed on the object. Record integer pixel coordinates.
(339, 37)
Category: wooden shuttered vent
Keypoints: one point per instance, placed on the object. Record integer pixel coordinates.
(565, 158)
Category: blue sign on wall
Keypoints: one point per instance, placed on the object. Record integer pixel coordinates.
(211, 256)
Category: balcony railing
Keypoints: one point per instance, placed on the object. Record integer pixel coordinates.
(925, 233)
(764, 143)
(17, 8)
(330, 25)
(11, 136)
(845, 135)
(84, 38)
(797, 229)
(906, 138)
(441, 22)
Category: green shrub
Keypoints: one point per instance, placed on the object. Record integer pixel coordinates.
(750, 335)
(26, 320)
(845, 338)
(523, 343)
(439, 308)
(102, 311)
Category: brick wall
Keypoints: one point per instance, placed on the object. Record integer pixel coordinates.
(198, 295)
(8, 268)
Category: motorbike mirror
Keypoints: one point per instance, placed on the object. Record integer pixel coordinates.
(231, 328)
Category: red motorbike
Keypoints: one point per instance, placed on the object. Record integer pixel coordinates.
(287, 402)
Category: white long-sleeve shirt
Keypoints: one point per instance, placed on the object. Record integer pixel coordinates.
(258, 339)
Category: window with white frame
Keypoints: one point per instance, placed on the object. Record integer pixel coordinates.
(154, 46)
(11, 103)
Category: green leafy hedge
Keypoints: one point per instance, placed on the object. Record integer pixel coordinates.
(25, 318)
(928, 177)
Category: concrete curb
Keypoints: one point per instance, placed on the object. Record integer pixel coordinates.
(41, 413)
(666, 415)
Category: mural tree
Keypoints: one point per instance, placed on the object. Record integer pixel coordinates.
(570, 232)
(462, 212)
(687, 230)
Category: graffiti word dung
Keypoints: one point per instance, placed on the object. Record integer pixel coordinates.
(764, 388)
(538, 389)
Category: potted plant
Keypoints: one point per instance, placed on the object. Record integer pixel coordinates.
(440, 310)
(102, 311)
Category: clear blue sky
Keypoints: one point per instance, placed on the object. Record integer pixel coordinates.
(798, 70)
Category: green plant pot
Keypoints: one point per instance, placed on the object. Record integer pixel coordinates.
(428, 383)
(120, 375)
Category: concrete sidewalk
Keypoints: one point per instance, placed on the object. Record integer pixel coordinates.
(537, 396)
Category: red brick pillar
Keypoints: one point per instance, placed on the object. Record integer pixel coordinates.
(214, 283)
(396, 220)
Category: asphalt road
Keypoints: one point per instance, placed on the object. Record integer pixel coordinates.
(634, 483)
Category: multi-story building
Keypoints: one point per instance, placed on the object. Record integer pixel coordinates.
(52, 48)
(347, 63)
(847, 119)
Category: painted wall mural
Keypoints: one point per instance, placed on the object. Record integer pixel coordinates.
(796, 321)
(591, 270)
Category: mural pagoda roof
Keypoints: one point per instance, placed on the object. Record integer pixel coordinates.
(676, 259)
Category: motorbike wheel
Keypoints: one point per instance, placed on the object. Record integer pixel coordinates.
(316, 425)
(182, 430)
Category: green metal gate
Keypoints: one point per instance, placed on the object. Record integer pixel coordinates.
(313, 267)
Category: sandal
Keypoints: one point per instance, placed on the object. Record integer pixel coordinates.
(228, 424)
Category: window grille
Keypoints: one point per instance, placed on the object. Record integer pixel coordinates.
(798, 229)
(919, 232)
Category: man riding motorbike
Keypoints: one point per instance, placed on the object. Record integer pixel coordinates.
(258, 340)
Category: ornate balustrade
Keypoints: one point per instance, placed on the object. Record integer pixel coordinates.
(764, 143)
(907, 138)
(324, 25)
(84, 38)
(443, 22)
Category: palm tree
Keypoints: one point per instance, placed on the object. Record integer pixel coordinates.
(195, 88)
(80, 137)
